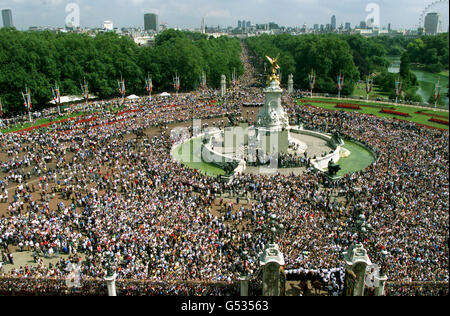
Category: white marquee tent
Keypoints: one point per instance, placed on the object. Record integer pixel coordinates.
(132, 97)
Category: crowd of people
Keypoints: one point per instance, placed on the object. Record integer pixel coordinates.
(110, 200)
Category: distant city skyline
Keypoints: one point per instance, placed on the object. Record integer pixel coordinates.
(7, 18)
(400, 14)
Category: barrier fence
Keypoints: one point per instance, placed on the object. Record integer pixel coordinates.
(48, 286)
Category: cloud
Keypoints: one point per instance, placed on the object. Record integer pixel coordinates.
(218, 13)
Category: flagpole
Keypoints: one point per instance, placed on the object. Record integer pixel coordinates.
(437, 94)
(340, 84)
(1, 114)
(27, 102)
(149, 86)
(312, 81)
(57, 97)
(398, 89)
(85, 91)
(122, 90)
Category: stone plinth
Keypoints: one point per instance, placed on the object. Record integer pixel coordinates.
(272, 123)
(111, 284)
(271, 260)
(272, 116)
(273, 141)
(356, 260)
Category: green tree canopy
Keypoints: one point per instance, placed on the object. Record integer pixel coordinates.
(39, 59)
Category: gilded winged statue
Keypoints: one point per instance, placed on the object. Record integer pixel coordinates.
(274, 69)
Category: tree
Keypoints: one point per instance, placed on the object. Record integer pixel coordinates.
(39, 59)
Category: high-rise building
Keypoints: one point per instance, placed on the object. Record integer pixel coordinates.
(108, 25)
(316, 27)
(244, 25)
(389, 27)
(348, 26)
(333, 22)
(249, 24)
(7, 18)
(151, 22)
(433, 23)
(239, 24)
(363, 25)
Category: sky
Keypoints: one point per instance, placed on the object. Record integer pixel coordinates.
(188, 13)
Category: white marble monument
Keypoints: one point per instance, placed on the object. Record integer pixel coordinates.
(272, 123)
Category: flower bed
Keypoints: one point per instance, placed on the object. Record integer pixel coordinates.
(348, 106)
(386, 111)
(435, 120)
(432, 115)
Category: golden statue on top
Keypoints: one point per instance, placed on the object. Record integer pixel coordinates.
(273, 76)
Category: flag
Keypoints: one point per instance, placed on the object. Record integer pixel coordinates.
(27, 99)
(398, 87)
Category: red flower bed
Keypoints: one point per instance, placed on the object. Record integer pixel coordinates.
(128, 111)
(386, 111)
(86, 120)
(432, 115)
(435, 120)
(348, 106)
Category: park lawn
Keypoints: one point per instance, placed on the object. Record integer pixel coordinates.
(40, 122)
(191, 158)
(361, 91)
(444, 73)
(417, 118)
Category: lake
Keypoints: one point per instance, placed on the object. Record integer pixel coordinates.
(427, 80)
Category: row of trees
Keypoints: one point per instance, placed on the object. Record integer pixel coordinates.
(386, 81)
(430, 51)
(41, 59)
(327, 55)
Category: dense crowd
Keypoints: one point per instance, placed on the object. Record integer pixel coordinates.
(111, 200)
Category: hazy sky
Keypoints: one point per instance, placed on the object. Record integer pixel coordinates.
(188, 13)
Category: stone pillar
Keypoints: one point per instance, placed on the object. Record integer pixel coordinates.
(271, 261)
(111, 284)
(223, 85)
(244, 285)
(379, 289)
(291, 84)
(356, 260)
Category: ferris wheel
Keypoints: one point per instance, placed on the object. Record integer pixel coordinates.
(428, 8)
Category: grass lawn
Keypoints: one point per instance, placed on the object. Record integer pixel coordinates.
(444, 73)
(376, 108)
(189, 154)
(359, 159)
(41, 122)
(360, 90)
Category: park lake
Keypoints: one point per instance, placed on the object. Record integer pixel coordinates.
(427, 80)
